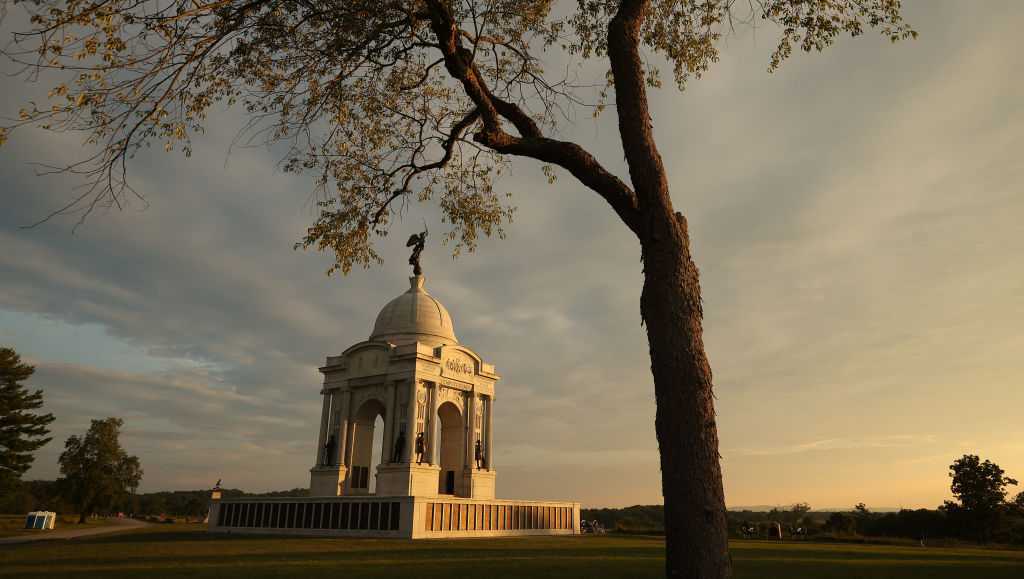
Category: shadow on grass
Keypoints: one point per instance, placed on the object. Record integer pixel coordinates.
(190, 551)
(185, 535)
(196, 549)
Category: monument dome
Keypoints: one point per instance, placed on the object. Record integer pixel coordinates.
(415, 316)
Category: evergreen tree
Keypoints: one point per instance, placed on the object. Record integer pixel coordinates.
(22, 431)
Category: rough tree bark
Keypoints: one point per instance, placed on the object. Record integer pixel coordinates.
(696, 538)
(691, 477)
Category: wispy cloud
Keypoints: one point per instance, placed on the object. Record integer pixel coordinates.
(842, 443)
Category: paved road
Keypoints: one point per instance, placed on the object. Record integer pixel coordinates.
(116, 525)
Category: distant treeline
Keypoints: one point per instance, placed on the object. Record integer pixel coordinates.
(635, 519)
(47, 495)
(799, 522)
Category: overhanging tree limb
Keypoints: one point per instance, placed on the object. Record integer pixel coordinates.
(531, 143)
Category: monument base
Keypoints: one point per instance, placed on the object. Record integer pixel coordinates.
(479, 484)
(410, 517)
(407, 479)
(327, 481)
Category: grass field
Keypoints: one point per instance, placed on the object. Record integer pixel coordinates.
(187, 551)
(14, 525)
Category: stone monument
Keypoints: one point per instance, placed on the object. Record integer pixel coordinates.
(432, 398)
(427, 388)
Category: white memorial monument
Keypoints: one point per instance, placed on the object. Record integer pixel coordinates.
(428, 403)
(433, 396)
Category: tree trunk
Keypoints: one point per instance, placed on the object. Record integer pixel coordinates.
(85, 509)
(696, 537)
(695, 524)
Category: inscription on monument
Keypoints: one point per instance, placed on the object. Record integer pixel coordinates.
(457, 365)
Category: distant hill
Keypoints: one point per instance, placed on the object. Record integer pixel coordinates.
(651, 518)
(42, 494)
(768, 508)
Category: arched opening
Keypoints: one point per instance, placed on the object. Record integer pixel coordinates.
(375, 454)
(451, 451)
(367, 433)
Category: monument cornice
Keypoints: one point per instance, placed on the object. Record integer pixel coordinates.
(402, 376)
(370, 380)
(456, 384)
(414, 356)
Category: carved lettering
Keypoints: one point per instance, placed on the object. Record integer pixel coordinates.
(457, 365)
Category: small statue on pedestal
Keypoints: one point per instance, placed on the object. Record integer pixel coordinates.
(330, 451)
(396, 456)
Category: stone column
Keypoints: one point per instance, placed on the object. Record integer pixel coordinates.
(343, 410)
(409, 454)
(431, 425)
(470, 432)
(489, 421)
(324, 414)
(347, 458)
(387, 441)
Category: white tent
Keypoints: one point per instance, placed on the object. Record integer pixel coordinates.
(42, 520)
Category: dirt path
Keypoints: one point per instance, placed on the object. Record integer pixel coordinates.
(116, 525)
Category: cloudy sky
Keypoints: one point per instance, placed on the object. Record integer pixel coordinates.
(857, 218)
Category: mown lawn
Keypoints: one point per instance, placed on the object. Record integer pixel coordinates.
(187, 551)
(14, 525)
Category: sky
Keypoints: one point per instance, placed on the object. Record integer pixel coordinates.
(856, 216)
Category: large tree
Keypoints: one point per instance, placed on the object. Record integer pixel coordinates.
(980, 488)
(387, 100)
(96, 469)
(22, 431)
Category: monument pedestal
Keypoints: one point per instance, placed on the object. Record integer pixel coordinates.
(479, 484)
(327, 481)
(405, 479)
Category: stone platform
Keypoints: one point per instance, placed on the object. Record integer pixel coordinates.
(407, 517)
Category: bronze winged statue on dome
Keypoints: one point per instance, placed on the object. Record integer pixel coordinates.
(416, 242)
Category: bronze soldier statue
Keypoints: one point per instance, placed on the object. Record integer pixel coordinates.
(420, 447)
(479, 454)
(330, 451)
(396, 456)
